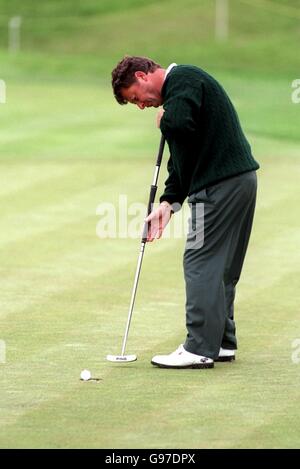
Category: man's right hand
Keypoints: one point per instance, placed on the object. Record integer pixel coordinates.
(158, 220)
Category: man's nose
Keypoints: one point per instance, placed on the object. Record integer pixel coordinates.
(141, 105)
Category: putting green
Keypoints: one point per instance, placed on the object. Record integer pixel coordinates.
(65, 293)
(66, 148)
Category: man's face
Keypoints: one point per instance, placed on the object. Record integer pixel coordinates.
(144, 92)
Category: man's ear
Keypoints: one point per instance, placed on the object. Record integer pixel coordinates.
(141, 75)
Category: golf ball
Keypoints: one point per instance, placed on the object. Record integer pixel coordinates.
(85, 375)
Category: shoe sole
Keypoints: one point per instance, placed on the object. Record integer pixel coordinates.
(194, 366)
(225, 359)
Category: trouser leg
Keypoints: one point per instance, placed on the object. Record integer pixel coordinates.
(212, 264)
(234, 266)
(229, 340)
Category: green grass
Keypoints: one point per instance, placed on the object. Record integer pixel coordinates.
(65, 148)
(89, 38)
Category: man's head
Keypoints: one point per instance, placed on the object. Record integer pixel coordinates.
(138, 80)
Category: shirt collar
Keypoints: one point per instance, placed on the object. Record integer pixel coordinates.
(170, 68)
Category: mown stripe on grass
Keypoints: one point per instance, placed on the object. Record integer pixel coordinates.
(163, 398)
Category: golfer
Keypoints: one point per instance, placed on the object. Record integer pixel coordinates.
(211, 164)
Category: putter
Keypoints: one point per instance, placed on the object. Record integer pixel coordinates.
(131, 358)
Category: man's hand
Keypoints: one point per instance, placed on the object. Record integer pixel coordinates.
(159, 116)
(158, 220)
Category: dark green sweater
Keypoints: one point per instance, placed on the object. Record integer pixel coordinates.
(201, 126)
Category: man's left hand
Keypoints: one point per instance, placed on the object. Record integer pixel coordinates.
(159, 116)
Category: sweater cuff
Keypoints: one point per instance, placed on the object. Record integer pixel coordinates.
(176, 206)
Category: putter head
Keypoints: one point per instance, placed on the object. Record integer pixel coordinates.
(121, 358)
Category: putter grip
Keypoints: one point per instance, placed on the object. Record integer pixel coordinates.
(149, 210)
(153, 188)
(161, 150)
(151, 199)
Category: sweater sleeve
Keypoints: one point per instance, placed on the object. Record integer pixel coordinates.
(179, 125)
(182, 106)
(173, 193)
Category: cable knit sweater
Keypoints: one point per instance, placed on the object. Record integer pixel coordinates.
(202, 129)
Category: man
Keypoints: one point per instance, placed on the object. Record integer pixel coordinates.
(211, 164)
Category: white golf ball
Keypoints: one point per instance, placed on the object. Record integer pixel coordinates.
(85, 375)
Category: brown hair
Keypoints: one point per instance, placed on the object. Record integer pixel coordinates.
(123, 74)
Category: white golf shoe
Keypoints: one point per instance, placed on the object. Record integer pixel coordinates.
(182, 359)
(226, 355)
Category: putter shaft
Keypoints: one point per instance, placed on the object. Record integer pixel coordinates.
(144, 240)
(133, 295)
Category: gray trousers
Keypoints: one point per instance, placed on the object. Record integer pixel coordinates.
(220, 227)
